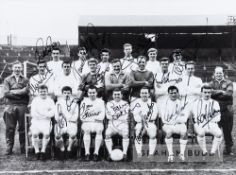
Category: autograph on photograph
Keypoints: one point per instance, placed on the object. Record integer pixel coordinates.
(206, 114)
(43, 80)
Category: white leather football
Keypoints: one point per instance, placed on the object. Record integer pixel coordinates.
(116, 155)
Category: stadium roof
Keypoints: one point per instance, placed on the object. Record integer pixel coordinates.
(220, 29)
(153, 24)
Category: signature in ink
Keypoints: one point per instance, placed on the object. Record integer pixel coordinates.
(167, 79)
(44, 79)
(86, 111)
(178, 68)
(130, 65)
(206, 115)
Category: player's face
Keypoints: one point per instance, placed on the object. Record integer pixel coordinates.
(177, 56)
(43, 93)
(55, 54)
(206, 94)
(116, 67)
(92, 66)
(82, 54)
(142, 64)
(66, 94)
(105, 56)
(17, 69)
(144, 94)
(42, 68)
(66, 69)
(117, 96)
(92, 94)
(219, 75)
(164, 65)
(190, 69)
(128, 50)
(152, 55)
(173, 94)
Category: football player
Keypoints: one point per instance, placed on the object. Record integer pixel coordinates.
(54, 65)
(177, 67)
(92, 114)
(141, 77)
(66, 120)
(206, 115)
(44, 76)
(190, 86)
(42, 110)
(92, 78)
(104, 66)
(128, 63)
(145, 113)
(117, 79)
(152, 64)
(67, 78)
(117, 112)
(163, 80)
(80, 66)
(174, 122)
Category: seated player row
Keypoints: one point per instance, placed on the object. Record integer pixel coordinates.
(92, 112)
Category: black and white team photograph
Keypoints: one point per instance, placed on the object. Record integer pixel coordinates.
(117, 87)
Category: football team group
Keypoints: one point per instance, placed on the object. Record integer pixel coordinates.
(110, 96)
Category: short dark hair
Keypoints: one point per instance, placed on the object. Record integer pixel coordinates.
(141, 57)
(92, 87)
(105, 50)
(117, 90)
(43, 86)
(163, 59)
(145, 87)
(190, 63)
(206, 86)
(81, 48)
(56, 48)
(91, 60)
(66, 88)
(67, 61)
(116, 60)
(171, 88)
(41, 62)
(126, 45)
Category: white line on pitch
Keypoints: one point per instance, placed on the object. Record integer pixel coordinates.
(118, 170)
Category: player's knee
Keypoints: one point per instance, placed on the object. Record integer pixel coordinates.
(168, 134)
(152, 135)
(86, 132)
(35, 135)
(218, 133)
(108, 133)
(183, 133)
(201, 134)
(125, 135)
(99, 132)
(58, 137)
(46, 136)
(137, 132)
